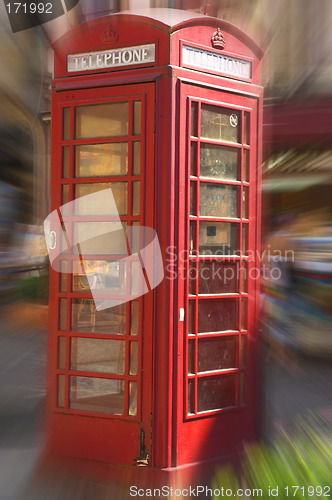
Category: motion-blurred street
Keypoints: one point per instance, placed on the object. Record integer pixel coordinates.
(22, 396)
(293, 385)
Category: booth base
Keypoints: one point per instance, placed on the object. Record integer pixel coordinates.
(64, 478)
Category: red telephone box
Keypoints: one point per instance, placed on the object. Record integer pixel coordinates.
(165, 108)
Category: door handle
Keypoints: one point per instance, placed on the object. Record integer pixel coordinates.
(52, 240)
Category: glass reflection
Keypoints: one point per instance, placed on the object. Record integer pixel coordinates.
(216, 315)
(85, 318)
(98, 160)
(214, 393)
(102, 120)
(217, 353)
(95, 205)
(104, 276)
(132, 410)
(219, 123)
(97, 395)
(97, 355)
(218, 200)
(219, 162)
(218, 238)
(100, 238)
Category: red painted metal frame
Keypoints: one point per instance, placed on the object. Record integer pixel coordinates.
(200, 437)
(75, 432)
(176, 439)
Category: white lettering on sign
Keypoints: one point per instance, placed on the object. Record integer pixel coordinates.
(216, 63)
(140, 54)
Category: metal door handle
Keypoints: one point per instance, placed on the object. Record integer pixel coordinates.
(52, 240)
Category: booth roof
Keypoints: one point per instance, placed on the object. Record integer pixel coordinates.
(169, 20)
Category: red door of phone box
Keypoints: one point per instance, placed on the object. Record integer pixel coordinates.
(164, 108)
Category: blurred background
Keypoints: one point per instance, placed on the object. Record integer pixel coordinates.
(296, 37)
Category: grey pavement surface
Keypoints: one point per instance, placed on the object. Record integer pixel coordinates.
(22, 397)
(293, 384)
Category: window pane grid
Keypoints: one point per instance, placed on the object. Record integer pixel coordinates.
(206, 206)
(74, 381)
(66, 374)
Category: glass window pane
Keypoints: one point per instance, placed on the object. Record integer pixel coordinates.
(244, 276)
(105, 276)
(218, 238)
(62, 353)
(93, 160)
(102, 120)
(136, 158)
(106, 238)
(219, 162)
(191, 320)
(245, 203)
(217, 315)
(135, 237)
(191, 397)
(246, 128)
(97, 206)
(191, 356)
(218, 277)
(63, 315)
(244, 313)
(217, 353)
(132, 410)
(137, 278)
(194, 106)
(246, 165)
(137, 117)
(66, 124)
(65, 193)
(192, 275)
(193, 186)
(244, 238)
(216, 392)
(134, 317)
(192, 237)
(133, 358)
(65, 162)
(97, 355)
(97, 395)
(243, 351)
(218, 200)
(219, 123)
(85, 318)
(61, 391)
(136, 198)
(63, 276)
(193, 159)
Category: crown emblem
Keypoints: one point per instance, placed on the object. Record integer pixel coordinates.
(109, 35)
(218, 41)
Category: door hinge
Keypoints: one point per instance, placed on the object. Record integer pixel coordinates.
(143, 458)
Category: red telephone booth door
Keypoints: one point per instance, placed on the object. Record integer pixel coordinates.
(222, 286)
(100, 359)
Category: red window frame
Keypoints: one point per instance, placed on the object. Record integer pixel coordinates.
(239, 371)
